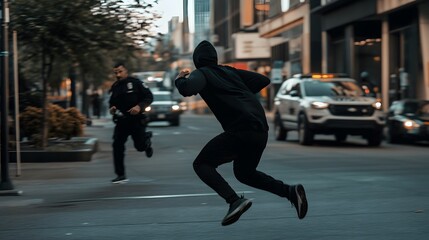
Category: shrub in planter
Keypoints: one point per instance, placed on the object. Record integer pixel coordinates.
(62, 123)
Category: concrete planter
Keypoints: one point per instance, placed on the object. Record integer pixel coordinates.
(77, 149)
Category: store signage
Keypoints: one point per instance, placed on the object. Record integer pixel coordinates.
(251, 46)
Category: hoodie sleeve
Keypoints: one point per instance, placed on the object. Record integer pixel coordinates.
(254, 81)
(191, 85)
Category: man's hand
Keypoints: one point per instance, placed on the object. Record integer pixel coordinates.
(135, 110)
(183, 73)
(112, 110)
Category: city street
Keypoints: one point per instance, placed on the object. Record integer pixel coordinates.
(354, 191)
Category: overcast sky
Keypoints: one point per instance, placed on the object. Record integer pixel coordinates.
(169, 9)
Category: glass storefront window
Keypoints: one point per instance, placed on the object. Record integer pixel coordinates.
(290, 50)
(368, 60)
(337, 57)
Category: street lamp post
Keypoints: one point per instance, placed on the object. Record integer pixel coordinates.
(6, 186)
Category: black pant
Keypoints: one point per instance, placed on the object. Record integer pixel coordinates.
(126, 126)
(245, 150)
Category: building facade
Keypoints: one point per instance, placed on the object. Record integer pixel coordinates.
(384, 41)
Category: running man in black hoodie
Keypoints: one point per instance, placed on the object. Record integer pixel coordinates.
(230, 94)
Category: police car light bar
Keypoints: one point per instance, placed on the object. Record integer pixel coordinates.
(321, 75)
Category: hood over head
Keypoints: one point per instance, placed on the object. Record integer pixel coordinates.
(204, 55)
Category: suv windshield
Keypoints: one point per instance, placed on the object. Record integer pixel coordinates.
(161, 97)
(418, 108)
(335, 88)
(424, 109)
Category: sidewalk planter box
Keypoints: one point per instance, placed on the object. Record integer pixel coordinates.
(77, 149)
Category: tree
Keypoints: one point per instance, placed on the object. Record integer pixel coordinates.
(86, 34)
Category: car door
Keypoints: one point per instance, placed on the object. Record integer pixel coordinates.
(394, 116)
(281, 101)
(293, 105)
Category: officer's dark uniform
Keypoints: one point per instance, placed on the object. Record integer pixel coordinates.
(125, 94)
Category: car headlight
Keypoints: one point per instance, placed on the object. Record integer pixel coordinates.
(319, 105)
(410, 124)
(175, 107)
(377, 105)
(147, 109)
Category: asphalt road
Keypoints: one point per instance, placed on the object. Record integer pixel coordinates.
(354, 192)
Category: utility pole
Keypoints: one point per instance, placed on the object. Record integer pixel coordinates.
(6, 186)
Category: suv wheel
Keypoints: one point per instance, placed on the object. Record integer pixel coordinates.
(375, 138)
(391, 136)
(279, 131)
(305, 135)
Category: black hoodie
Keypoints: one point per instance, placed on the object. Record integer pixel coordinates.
(230, 93)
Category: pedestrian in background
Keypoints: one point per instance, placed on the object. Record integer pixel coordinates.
(95, 102)
(129, 97)
(368, 86)
(231, 95)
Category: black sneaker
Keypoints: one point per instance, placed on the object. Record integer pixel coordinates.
(148, 134)
(120, 179)
(298, 200)
(149, 152)
(235, 210)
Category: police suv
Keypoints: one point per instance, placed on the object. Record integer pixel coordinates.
(327, 104)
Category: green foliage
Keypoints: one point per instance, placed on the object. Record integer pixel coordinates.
(56, 37)
(63, 123)
(73, 27)
(84, 33)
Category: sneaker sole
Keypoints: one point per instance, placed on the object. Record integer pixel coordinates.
(119, 182)
(149, 152)
(302, 201)
(235, 215)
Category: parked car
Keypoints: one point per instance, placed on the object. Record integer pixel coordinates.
(326, 104)
(164, 108)
(408, 120)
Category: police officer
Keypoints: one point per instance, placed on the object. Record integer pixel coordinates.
(129, 97)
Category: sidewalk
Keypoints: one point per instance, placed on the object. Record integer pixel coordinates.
(52, 181)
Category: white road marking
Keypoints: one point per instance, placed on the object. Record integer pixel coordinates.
(167, 196)
(152, 197)
(194, 128)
